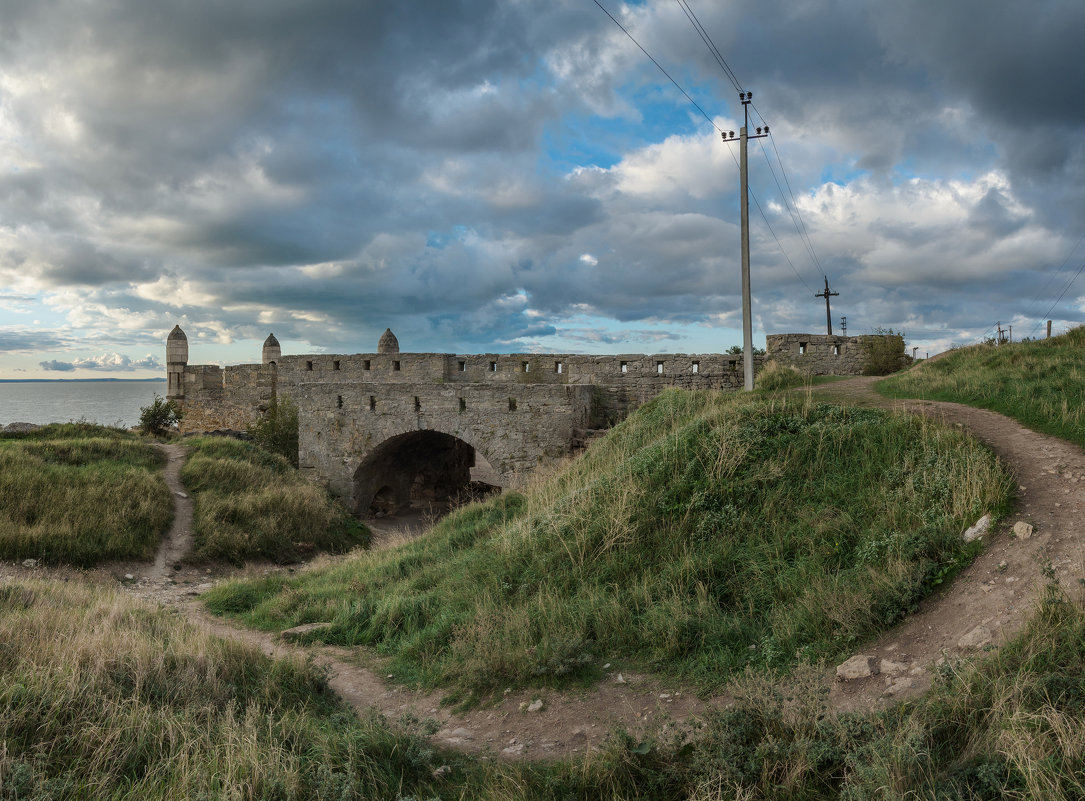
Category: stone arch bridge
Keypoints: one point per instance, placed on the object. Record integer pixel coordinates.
(386, 430)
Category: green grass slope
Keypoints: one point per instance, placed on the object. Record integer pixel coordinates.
(1040, 384)
(707, 533)
(253, 504)
(81, 494)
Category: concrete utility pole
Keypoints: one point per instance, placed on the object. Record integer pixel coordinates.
(744, 205)
(1049, 329)
(828, 316)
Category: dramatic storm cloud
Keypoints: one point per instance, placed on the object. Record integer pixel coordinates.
(500, 175)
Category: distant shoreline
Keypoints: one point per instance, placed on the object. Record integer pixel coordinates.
(74, 380)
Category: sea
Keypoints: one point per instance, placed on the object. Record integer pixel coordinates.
(110, 403)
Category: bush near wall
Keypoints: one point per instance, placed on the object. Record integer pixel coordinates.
(883, 353)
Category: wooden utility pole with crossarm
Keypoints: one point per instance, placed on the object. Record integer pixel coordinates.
(828, 316)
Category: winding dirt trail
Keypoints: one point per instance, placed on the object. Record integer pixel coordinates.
(986, 604)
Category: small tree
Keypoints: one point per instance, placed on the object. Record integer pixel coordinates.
(277, 430)
(160, 416)
(883, 352)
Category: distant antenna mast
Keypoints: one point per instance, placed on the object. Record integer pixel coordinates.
(843, 325)
(828, 316)
(744, 189)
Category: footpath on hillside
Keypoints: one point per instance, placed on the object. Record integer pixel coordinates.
(986, 604)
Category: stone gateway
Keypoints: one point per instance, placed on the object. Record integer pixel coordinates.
(386, 430)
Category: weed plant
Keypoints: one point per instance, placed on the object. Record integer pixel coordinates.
(706, 534)
(81, 494)
(253, 504)
(1038, 383)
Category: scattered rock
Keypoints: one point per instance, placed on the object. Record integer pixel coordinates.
(442, 772)
(296, 633)
(180, 495)
(896, 686)
(513, 749)
(129, 577)
(619, 679)
(535, 706)
(977, 530)
(29, 562)
(859, 666)
(891, 668)
(977, 638)
(1022, 530)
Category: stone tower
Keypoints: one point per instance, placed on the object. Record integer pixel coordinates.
(176, 359)
(388, 342)
(272, 352)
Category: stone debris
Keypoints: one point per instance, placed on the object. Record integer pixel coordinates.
(296, 633)
(535, 706)
(19, 428)
(977, 638)
(891, 668)
(442, 772)
(977, 530)
(1022, 530)
(619, 679)
(859, 666)
(30, 562)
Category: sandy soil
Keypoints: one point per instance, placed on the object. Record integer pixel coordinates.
(985, 605)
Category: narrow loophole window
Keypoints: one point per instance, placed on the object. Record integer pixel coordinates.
(625, 367)
(493, 367)
(525, 367)
(836, 350)
(512, 404)
(417, 404)
(309, 366)
(463, 405)
(659, 368)
(339, 402)
(372, 402)
(395, 366)
(559, 367)
(366, 365)
(463, 367)
(696, 367)
(802, 348)
(335, 365)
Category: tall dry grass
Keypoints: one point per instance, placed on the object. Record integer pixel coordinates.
(81, 494)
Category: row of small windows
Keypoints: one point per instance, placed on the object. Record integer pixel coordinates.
(803, 347)
(417, 403)
(366, 365)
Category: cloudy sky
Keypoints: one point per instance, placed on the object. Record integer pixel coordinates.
(515, 175)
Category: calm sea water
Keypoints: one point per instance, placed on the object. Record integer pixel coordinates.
(105, 402)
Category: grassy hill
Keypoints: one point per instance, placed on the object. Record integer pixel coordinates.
(1041, 384)
(706, 534)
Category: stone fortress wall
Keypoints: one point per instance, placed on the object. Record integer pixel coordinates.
(365, 416)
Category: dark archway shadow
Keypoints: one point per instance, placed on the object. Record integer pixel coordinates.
(423, 475)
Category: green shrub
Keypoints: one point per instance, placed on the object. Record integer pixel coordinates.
(883, 352)
(159, 417)
(277, 430)
(775, 377)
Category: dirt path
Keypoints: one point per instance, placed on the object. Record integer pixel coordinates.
(986, 604)
(992, 599)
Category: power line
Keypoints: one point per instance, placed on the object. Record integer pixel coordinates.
(715, 51)
(672, 80)
(1051, 278)
(1065, 289)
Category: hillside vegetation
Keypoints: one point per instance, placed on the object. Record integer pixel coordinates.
(706, 534)
(81, 494)
(254, 504)
(1041, 383)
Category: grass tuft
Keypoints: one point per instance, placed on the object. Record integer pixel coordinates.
(81, 494)
(253, 504)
